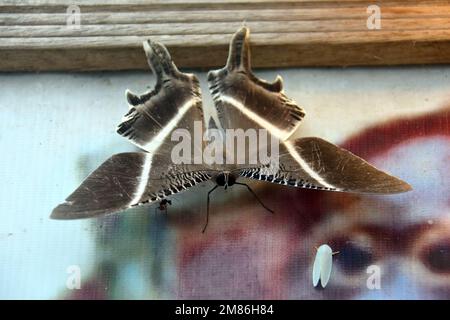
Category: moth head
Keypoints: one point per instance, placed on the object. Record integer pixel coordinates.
(225, 179)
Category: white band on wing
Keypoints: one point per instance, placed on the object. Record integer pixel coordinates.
(273, 130)
(143, 179)
(159, 139)
(302, 163)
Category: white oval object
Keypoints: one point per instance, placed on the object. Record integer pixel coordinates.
(322, 265)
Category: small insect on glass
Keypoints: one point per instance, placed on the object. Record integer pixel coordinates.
(243, 102)
(322, 266)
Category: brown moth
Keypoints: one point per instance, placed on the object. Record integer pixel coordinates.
(242, 101)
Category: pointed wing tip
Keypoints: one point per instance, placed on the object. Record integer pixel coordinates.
(242, 32)
(155, 51)
(62, 212)
(407, 186)
(395, 186)
(159, 59)
(128, 92)
(238, 50)
(241, 35)
(398, 186)
(152, 47)
(404, 187)
(132, 98)
(277, 85)
(69, 211)
(146, 45)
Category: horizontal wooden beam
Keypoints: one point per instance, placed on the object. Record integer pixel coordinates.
(34, 35)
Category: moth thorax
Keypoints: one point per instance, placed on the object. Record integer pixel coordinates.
(225, 179)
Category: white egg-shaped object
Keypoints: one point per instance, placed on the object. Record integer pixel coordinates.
(322, 265)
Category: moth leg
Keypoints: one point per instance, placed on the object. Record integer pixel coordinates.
(207, 208)
(158, 208)
(169, 202)
(254, 194)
